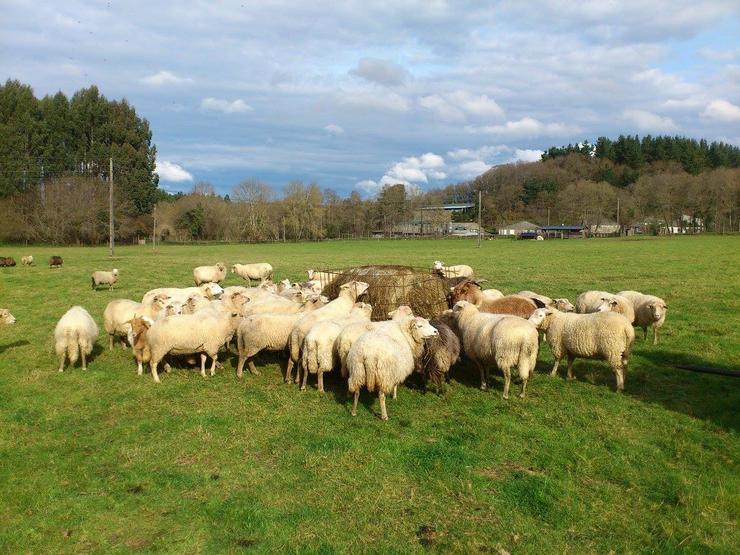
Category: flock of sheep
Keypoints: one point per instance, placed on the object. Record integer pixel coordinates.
(189, 326)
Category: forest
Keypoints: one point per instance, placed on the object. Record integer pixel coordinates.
(54, 162)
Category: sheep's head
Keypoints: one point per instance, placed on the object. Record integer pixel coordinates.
(233, 269)
(421, 328)
(310, 273)
(212, 290)
(461, 306)
(268, 285)
(542, 317)
(357, 288)
(657, 309)
(563, 305)
(6, 317)
(221, 266)
(608, 305)
(364, 309)
(437, 266)
(160, 301)
(115, 272)
(172, 309)
(401, 312)
(466, 291)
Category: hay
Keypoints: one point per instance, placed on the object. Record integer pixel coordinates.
(392, 286)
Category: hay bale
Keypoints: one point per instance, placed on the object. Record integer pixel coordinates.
(393, 286)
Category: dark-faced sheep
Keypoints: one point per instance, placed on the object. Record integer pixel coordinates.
(55, 262)
(510, 304)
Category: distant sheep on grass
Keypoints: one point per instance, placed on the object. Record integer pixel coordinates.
(74, 335)
(104, 278)
(209, 274)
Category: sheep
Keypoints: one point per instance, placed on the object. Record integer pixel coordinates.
(104, 278)
(352, 333)
(281, 305)
(460, 270)
(337, 308)
(562, 304)
(75, 333)
(261, 271)
(6, 317)
(312, 286)
(263, 332)
(139, 342)
(209, 274)
(505, 340)
(491, 294)
(209, 291)
(318, 354)
(322, 278)
(55, 262)
(6, 261)
(383, 358)
(119, 313)
(649, 311)
(590, 301)
(510, 304)
(190, 334)
(27, 260)
(599, 335)
(440, 353)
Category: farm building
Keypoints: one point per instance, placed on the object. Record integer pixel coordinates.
(516, 229)
(605, 228)
(563, 231)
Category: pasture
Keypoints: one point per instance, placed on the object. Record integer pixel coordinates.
(107, 461)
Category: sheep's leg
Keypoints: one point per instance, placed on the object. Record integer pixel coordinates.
(153, 365)
(483, 383)
(61, 361)
(554, 371)
(354, 403)
(110, 342)
(395, 391)
(139, 367)
(252, 367)
(203, 364)
(383, 412)
(646, 332)
(523, 394)
(507, 381)
(289, 371)
(84, 359)
(213, 364)
(240, 366)
(655, 335)
(571, 358)
(321, 382)
(305, 378)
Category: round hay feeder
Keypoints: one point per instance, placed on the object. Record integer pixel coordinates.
(391, 287)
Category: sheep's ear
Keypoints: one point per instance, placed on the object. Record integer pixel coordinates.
(538, 303)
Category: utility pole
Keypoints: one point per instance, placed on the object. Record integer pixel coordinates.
(154, 232)
(480, 229)
(548, 216)
(619, 227)
(111, 243)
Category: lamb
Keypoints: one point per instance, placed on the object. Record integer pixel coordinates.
(591, 301)
(318, 354)
(55, 262)
(209, 274)
(353, 332)
(322, 278)
(139, 342)
(6, 318)
(505, 340)
(440, 353)
(459, 270)
(27, 260)
(381, 359)
(188, 334)
(261, 271)
(337, 308)
(75, 333)
(209, 291)
(119, 313)
(599, 335)
(510, 304)
(649, 311)
(104, 278)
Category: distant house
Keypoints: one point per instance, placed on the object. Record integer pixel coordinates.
(516, 229)
(605, 228)
(563, 231)
(463, 229)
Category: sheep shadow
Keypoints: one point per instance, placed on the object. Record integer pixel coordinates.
(13, 345)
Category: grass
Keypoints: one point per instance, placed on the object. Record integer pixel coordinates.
(106, 461)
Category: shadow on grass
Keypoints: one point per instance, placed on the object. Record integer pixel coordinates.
(14, 344)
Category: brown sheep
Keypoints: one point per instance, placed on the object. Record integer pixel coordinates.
(510, 304)
(55, 262)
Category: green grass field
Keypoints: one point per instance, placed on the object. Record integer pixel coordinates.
(107, 461)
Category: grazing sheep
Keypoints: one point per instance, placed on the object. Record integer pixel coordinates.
(597, 335)
(27, 260)
(352, 333)
(504, 340)
(7, 261)
(318, 354)
(119, 313)
(337, 308)
(55, 262)
(189, 334)
(261, 271)
(104, 278)
(511, 304)
(459, 270)
(383, 358)
(591, 301)
(209, 274)
(209, 291)
(440, 353)
(561, 304)
(75, 334)
(649, 311)
(6, 317)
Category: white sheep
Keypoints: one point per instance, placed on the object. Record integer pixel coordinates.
(597, 335)
(27, 260)
(189, 334)
(562, 304)
(337, 308)
(260, 271)
(104, 278)
(281, 305)
(591, 301)
(649, 311)
(118, 314)
(505, 340)
(321, 278)
(459, 270)
(383, 358)
(209, 291)
(263, 332)
(209, 274)
(6, 318)
(318, 354)
(74, 335)
(492, 293)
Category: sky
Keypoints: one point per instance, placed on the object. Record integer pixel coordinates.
(353, 95)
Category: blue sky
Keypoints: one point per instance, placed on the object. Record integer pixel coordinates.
(358, 94)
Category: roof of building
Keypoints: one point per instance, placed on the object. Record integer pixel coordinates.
(562, 227)
(521, 226)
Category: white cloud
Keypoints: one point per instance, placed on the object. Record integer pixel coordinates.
(409, 171)
(169, 171)
(482, 153)
(391, 102)
(334, 129)
(368, 185)
(526, 155)
(443, 108)
(525, 127)
(455, 106)
(720, 55)
(382, 72)
(722, 110)
(664, 82)
(237, 106)
(472, 168)
(648, 121)
(164, 77)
